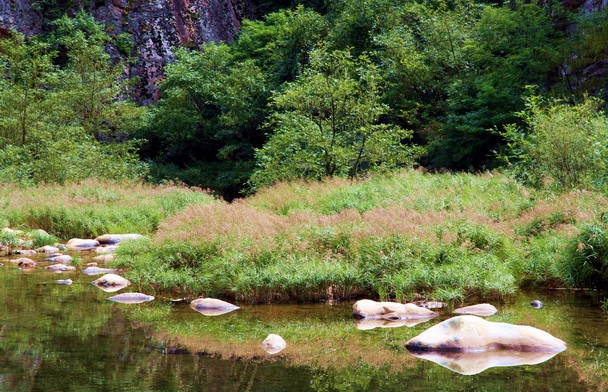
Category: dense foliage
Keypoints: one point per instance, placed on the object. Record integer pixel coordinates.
(311, 89)
(64, 122)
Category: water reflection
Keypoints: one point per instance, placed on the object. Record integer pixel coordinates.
(367, 324)
(58, 338)
(476, 362)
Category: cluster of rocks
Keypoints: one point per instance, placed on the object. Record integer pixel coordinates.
(111, 281)
(466, 343)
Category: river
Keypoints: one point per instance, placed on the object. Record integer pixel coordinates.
(71, 338)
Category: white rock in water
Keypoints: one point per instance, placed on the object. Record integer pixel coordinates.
(48, 249)
(64, 281)
(60, 267)
(369, 309)
(111, 280)
(274, 344)
(59, 259)
(212, 306)
(477, 310)
(472, 333)
(113, 239)
(80, 244)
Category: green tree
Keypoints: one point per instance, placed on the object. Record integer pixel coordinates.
(94, 89)
(563, 142)
(506, 51)
(281, 43)
(327, 123)
(42, 136)
(27, 72)
(205, 126)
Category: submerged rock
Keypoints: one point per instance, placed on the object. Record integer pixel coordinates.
(472, 333)
(369, 309)
(477, 310)
(274, 344)
(104, 258)
(64, 281)
(113, 239)
(469, 363)
(106, 249)
(48, 249)
(98, 271)
(80, 244)
(212, 306)
(536, 304)
(111, 282)
(59, 259)
(60, 267)
(26, 252)
(24, 263)
(432, 305)
(131, 298)
(21, 260)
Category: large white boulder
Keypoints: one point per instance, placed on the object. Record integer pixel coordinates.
(368, 309)
(472, 333)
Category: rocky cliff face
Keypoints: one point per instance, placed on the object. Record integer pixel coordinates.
(156, 26)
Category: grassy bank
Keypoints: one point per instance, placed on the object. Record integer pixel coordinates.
(94, 207)
(404, 236)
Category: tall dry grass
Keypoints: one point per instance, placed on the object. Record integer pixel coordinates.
(404, 235)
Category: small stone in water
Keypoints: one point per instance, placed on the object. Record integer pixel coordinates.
(273, 344)
(536, 304)
(64, 281)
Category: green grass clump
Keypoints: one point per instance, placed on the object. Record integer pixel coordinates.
(95, 207)
(586, 258)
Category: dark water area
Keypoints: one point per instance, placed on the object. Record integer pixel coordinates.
(71, 338)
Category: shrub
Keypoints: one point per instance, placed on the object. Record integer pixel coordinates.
(586, 258)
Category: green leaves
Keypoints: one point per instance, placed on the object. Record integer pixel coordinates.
(60, 124)
(327, 123)
(562, 142)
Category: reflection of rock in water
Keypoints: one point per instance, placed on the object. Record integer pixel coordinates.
(131, 298)
(469, 363)
(368, 309)
(367, 324)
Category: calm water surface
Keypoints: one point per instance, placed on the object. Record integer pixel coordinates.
(71, 338)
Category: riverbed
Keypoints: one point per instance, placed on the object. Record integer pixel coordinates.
(57, 337)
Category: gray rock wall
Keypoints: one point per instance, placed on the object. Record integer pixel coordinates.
(156, 26)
